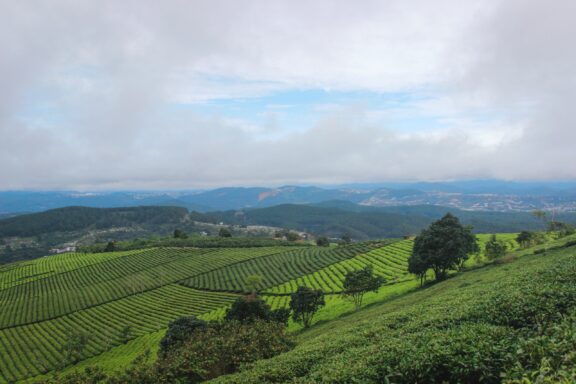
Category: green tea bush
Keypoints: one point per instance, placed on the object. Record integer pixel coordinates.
(509, 322)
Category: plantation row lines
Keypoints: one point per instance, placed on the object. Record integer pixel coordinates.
(390, 261)
(122, 355)
(275, 269)
(24, 272)
(67, 292)
(138, 290)
(34, 349)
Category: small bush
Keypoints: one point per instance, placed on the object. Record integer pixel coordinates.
(505, 260)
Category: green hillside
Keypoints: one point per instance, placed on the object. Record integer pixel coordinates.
(79, 218)
(510, 322)
(48, 301)
(44, 300)
(365, 222)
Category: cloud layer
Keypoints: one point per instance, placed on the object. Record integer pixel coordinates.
(124, 95)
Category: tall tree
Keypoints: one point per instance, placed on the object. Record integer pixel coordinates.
(322, 241)
(359, 282)
(525, 238)
(418, 267)
(74, 345)
(494, 248)
(253, 283)
(224, 232)
(304, 303)
(444, 245)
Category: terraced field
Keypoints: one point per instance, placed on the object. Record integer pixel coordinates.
(276, 269)
(16, 274)
(44, 302)
(99, 283)
(390, 261)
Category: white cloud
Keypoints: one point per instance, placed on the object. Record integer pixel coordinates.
(87, 89)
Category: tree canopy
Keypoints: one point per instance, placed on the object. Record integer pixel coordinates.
(494, 248)
(443, 246)
(304, 303)
(179, 331)
(357, 283)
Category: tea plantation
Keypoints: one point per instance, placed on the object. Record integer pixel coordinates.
(120, 302)
(474, 327)
(513, 321)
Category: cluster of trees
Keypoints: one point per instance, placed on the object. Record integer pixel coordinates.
(288, 235)
(446, 244)
(194, 350)
(304, 302)
(223, 232)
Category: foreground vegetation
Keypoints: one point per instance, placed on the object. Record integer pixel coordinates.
(513, 321)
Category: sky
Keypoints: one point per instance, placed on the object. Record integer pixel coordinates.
(180, 94)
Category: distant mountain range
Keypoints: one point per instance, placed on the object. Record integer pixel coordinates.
(499, 196)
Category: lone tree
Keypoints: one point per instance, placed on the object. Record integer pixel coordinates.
(74, 345)
(418, 267)
(525, 238)
(346, 238)
(292, 236)
(110, 247)
(445, 245)
(253, 283)
(126, 334)
(178, 234)
(304, 303)
(359, 282)
(540, 215)
(224, 232)
(322, 241)
(250, 308)
(494, 248)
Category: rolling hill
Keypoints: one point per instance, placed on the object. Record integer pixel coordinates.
(336, 218)
(511, 323)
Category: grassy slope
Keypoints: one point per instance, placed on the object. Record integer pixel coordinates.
(481, 309)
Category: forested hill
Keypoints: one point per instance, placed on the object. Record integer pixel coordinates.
(362, 222)
(81, 218)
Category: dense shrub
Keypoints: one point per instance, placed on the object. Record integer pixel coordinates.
(548, 355)
(222, 348)
(179, 331)
(249, 308)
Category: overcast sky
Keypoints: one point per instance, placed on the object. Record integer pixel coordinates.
(193, 94)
